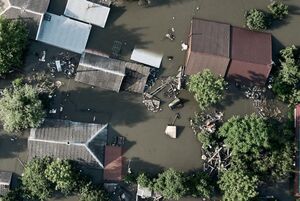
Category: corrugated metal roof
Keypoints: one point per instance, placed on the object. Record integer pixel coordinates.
(87, 11)
(146, 57)
(81, 142)
(113, 163)
(210, 37)
(64, 32)
(39, 6)
(251, 46)
(198, 62)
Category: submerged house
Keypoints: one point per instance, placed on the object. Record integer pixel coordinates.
(83, 143)
(29, 11)
(238, 54)
(5, 182)
(111, 74)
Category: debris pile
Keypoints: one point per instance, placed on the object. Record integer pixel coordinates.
(42, 83)
(62, 63)
(206, 123)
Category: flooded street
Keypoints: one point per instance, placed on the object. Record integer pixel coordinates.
(147, 147)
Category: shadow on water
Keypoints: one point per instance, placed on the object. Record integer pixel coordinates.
(276, 47)
(11, 146)
(156, 3)
(138, 165)
(103, 39)
(57, 6)
(294, 10)
(115, 13)
(99, 106)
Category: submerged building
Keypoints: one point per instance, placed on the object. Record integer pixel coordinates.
(238, 54)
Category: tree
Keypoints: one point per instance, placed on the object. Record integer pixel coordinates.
(20, 108)
(34, 179)
(256, 20)
(144, 181)
(13, 195)
(238, 185)
(170, 184)
(199, 185)
(207, 88)
(61, 174)
(278, 10)
(13, 35)
(90, 193)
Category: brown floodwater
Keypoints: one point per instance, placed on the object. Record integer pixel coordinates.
(147, 147)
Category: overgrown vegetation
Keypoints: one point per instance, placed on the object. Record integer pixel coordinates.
(207, 88)
(91, 193)
(287, 79)
(20, 107)
(13, 40)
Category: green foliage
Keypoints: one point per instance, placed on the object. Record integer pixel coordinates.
(13, 195)
(170, 184)
(130, 178)
(90, 193)
(206, 139)
(13, 39)
(278, 10)
(287, 79)
(199, 185)
(256, 20)
(61, 174)
(238, 185)
(34, 179)
(144, 181)
(20, 108)
(206, 88)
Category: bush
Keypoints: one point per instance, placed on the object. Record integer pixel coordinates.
(256, 20)
(90, 193)
(20, 108)
(199, 185)
(278, 10)
(144, 181)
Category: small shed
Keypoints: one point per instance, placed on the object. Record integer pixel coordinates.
(209, 47)
(113, 163)
(251, 56)
(63, 32)
(146, 57)
(5, 182)
(171, 131)
(87, 11)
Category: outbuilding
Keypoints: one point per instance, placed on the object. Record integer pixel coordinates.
(5, 182)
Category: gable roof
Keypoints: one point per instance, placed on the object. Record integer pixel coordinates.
(87, 11)
(100, 71)
(39, 6)
(81, 142)
(210, 37)
(64, 32)
(147, 57)
(113, 163)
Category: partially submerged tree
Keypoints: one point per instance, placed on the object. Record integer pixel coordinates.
(170, 184)
(256, 20)
(20, 108)
(207, 88)
(35, 181)
(238, 185)
(60, 173)
(13, 39)
(89, 193)
(199, 185)
(144, 181)
(278, 9)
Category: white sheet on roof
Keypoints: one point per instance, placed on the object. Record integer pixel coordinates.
(146, 57)
(87, 11)
(65, 33)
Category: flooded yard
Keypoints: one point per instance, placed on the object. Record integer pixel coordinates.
(147, 147)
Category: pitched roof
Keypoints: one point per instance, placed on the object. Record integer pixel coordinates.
(64, 32)
(210, 37)
(251, 54)
(113, 163)
(146, 57)
(39, 6)
(87, 11)
(81, 142)
(100, 71)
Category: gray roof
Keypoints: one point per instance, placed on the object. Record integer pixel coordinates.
(39, 6)
(100, 71)
(81, 142)
(32, 20)
(5, 181)
(210, 37)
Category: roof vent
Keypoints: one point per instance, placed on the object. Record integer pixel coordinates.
(68, 143)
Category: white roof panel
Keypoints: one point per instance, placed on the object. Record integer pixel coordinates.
(64, 32)
(87, 11)
(146, 57)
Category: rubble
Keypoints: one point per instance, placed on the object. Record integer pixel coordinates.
(62, 63)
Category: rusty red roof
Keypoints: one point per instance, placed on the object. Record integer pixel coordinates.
(113, 163)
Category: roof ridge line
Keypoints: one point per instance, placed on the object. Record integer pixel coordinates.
(102, 69)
